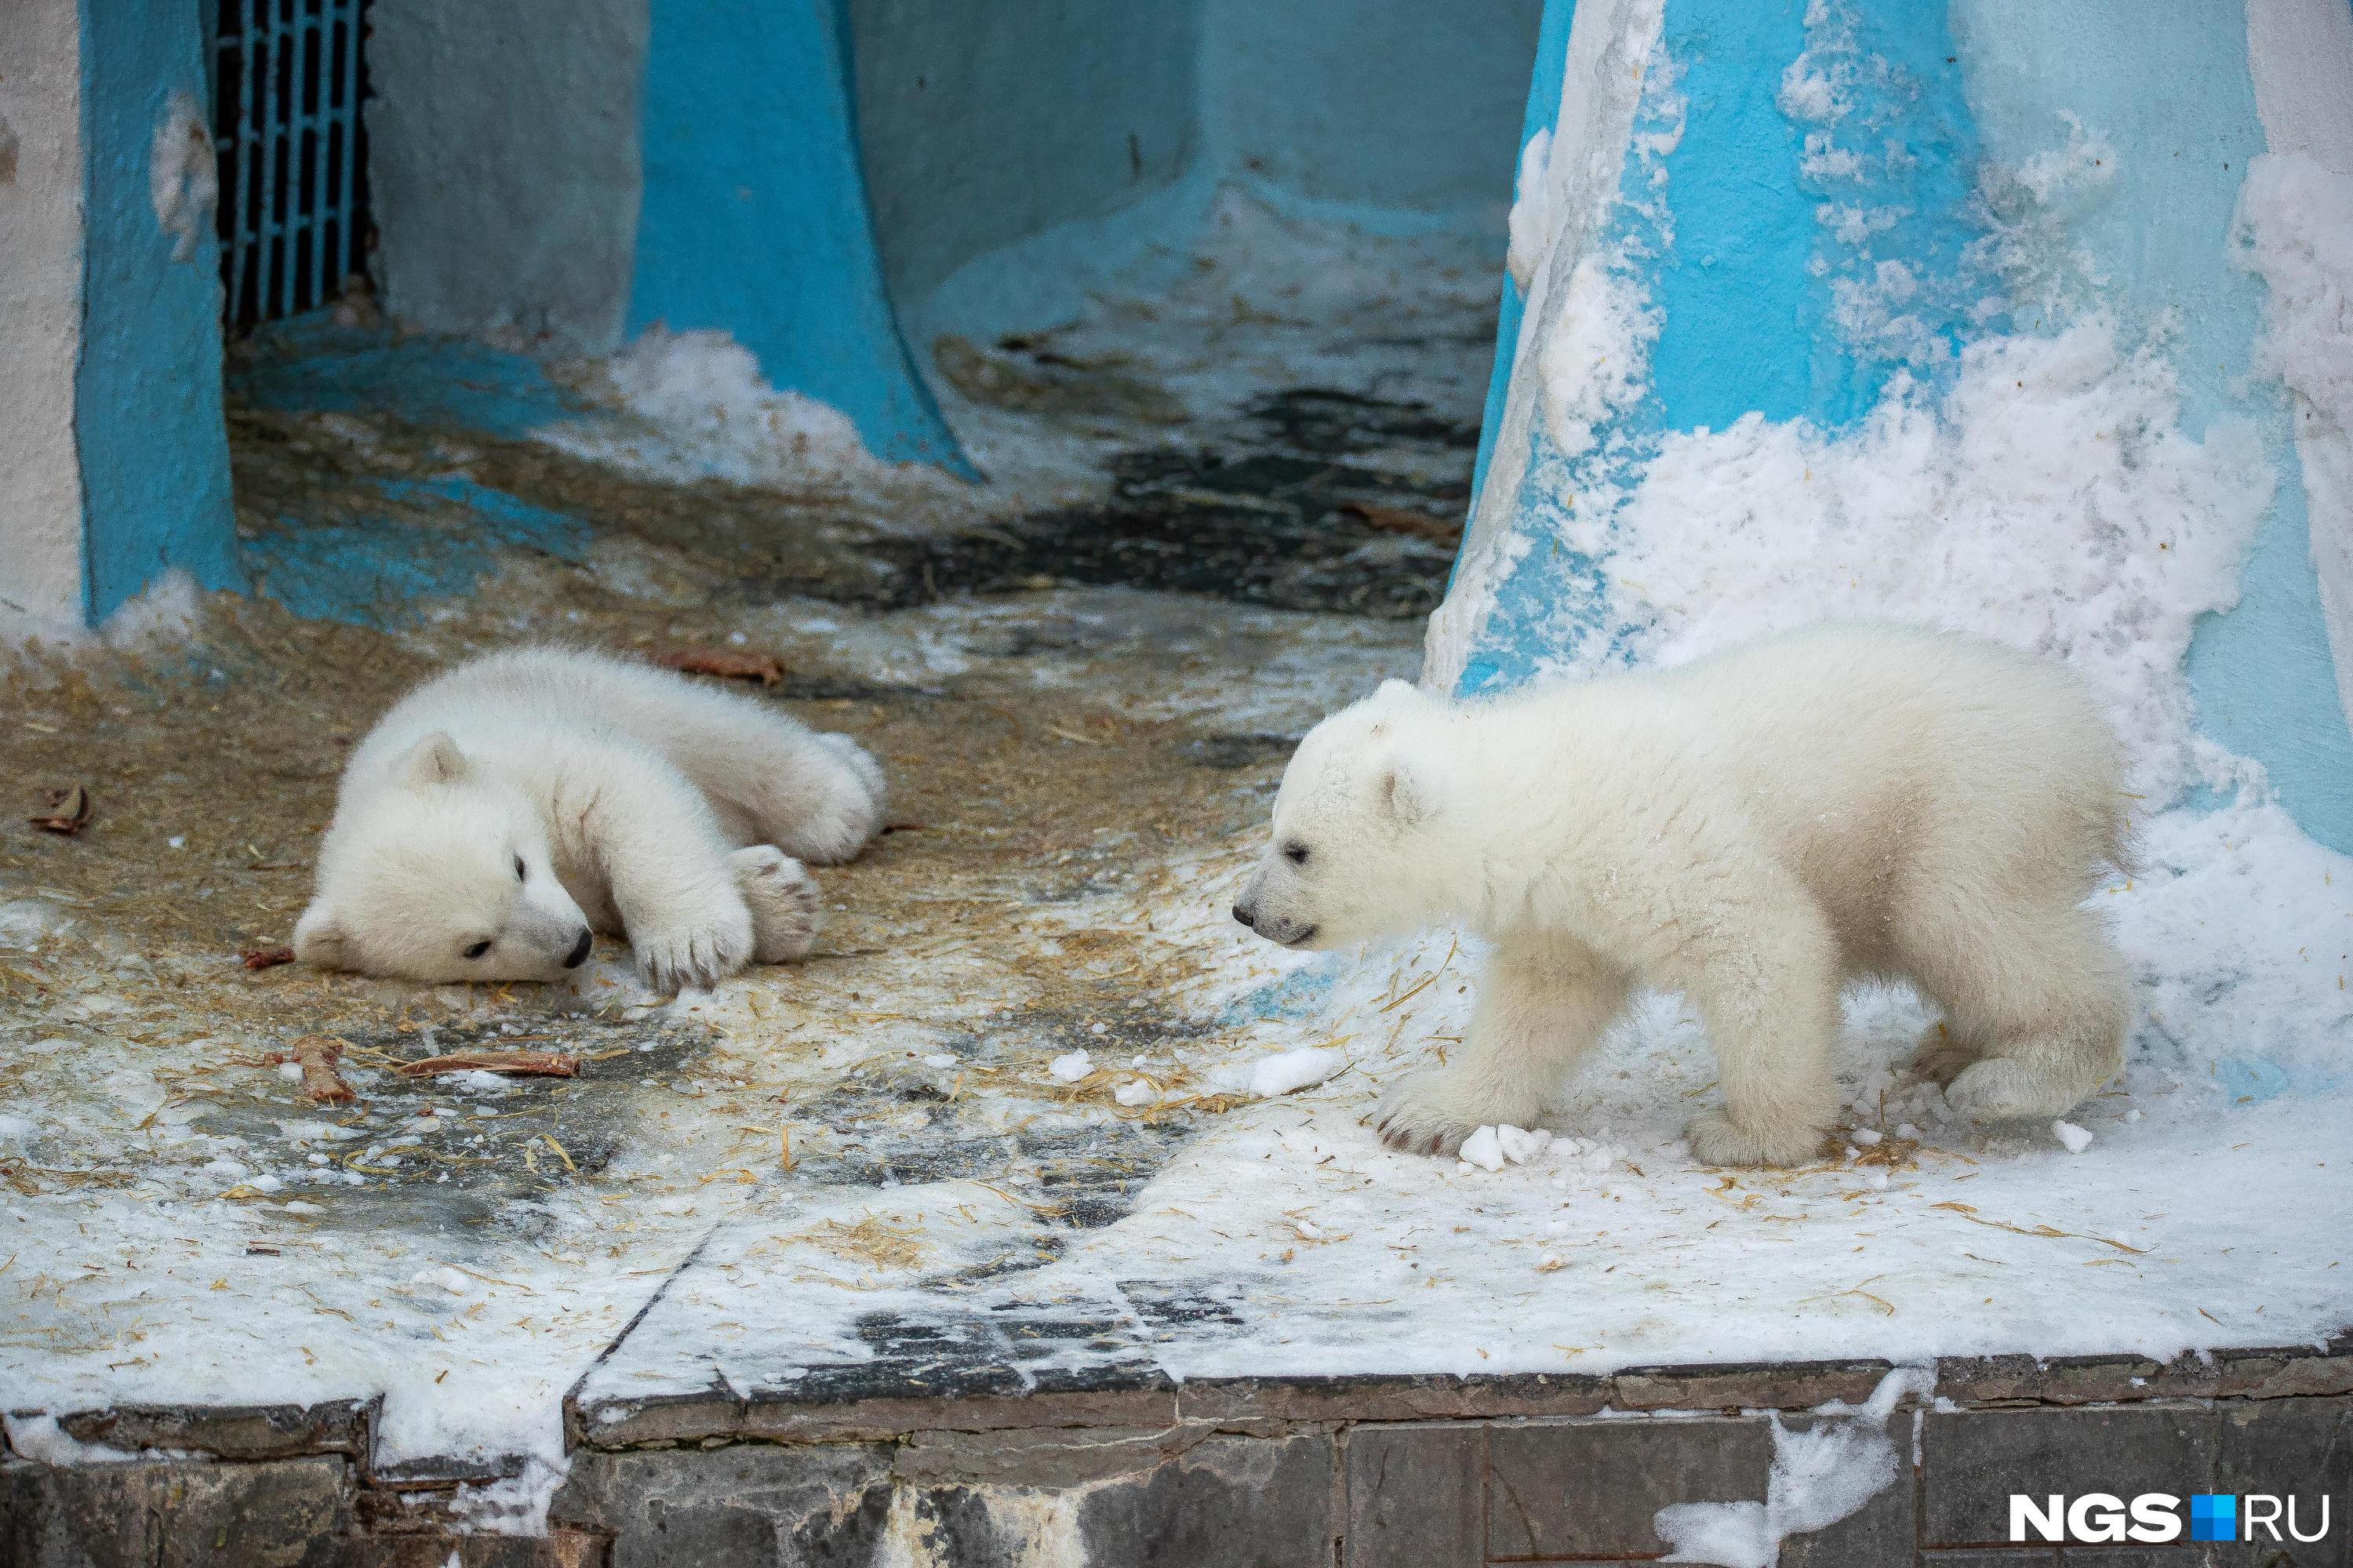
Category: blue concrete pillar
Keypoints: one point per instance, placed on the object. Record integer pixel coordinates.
(1761, 235)
(112, 319)
(755, 220)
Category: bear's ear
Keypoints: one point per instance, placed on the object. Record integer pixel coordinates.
(320, 939)
(435, 759)
(1408, 794)
(1393, 690)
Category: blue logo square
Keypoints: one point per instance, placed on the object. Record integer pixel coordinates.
(2214, 1516)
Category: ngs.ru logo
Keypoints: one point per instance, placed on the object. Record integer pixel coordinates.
(2155, 1517)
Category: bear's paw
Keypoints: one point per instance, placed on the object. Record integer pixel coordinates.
(1716, 1140)
(1431, 1113)
(783, 900)
(695, 953)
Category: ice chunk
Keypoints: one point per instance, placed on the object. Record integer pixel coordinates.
(1294, 1070)
(2076, 1139)
(1521, 1144)
(1135, 1092)
(1071, 1066)
(1484, 1148)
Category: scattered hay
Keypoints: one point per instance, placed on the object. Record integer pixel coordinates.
(513, 1064)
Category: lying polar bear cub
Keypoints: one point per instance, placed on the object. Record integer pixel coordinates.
(1748, 829)
(503, 810)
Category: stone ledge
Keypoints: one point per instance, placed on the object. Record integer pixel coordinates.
(696, 1418)
(251, 1432)
(1271, 1406)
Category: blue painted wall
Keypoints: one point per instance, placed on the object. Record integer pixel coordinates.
(754, 219)
(147, 391)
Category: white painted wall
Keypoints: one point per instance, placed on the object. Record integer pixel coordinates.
(40, 316)
(503, 141)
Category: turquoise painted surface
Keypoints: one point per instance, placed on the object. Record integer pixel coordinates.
(310, 366)
(147, 391)
(442, 539)
(2159, 240)
(754, 219)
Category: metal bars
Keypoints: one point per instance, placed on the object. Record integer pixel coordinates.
(288, 78)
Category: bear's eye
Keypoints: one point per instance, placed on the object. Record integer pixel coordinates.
(478, 949)
(1295, 852)
(518, 868)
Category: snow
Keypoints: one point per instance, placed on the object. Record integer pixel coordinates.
(693, 405)
(1821, 1473)
(1071, 1066)
(1484, 1149)
(1294, 1070)
(2076, 1139)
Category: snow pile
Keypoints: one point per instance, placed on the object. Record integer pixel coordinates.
(1821, 1474)
(1293, 1070)
(693, 405)
(1490, 1146)
(2051, 502)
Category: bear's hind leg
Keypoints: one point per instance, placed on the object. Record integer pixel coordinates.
(816, 795)
(1770, 1005)
(2047, 992)
(782, 899)
(1540, 1008)
(1945, 1052)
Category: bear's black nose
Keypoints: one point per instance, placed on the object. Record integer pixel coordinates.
(1243, 912)
(579, 953)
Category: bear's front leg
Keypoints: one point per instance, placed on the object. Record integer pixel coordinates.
(669, 869)
(1541, 1007)
(1767, 990)
(783, 900)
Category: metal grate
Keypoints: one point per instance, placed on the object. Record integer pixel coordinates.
(287, 79)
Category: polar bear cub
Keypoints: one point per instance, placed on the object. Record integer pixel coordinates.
(1748, 829)
(502, 812)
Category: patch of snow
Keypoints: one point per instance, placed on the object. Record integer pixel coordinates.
(693, 405)
(28, 922)
(2076, 1139)
(1821, 1473)
(2050, 500)
(1071, 1066)
(38, 1437)
(1294, 1070)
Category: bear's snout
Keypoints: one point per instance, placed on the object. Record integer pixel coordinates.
(1246, 915)
(579, 953)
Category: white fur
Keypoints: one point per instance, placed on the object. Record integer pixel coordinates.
(1748, 829)
(637, 800)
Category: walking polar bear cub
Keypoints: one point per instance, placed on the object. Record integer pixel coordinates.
(502, 812)
(1748, 829)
